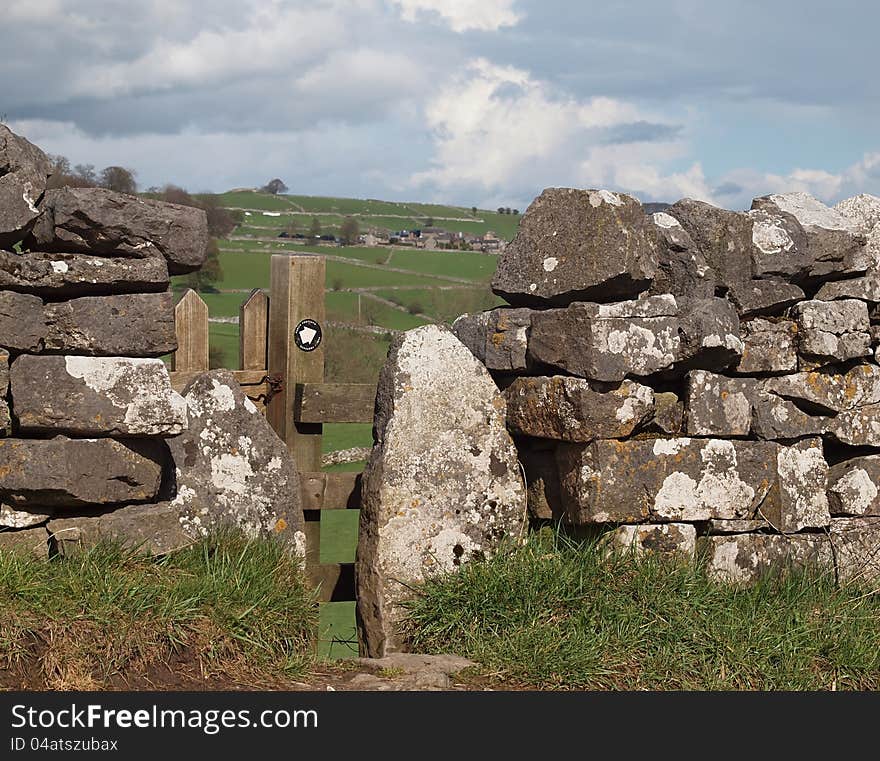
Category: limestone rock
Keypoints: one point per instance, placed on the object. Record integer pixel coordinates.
(68, 275)
(5, 419)
(736, 246)
(836, 246)
(129, 325)
(96, 396)
(582, 341)
(62, 472)
(103, 222)
(669, 415)
(744, 558)
(573, 409)
(856, 543)
(863, 213)
(803, 484)
(715, 527)
(665, 480)
(854, 486)
(719, 406)
(544, 497)
(22, 325)
(709, 331)
(498, 338)
(30, 541)
(577, 245)
(682, 270)
(830, 392)
(777, 418)
(832, 331)
(24, 169)
(659, 539)
(609, 342)
(687, 479)
(153, 529)
(231, 467)
(11, 517)
(769, 346)
(442, 485)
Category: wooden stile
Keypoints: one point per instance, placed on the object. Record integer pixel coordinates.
(191, 322)
(336, 402)
(253, 326)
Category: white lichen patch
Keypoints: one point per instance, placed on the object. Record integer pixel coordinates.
(856, 492)
(139, 388)
(10, 517)
(598, 197)
(771, 238)
(550, 263)
(803, 479)
(664, 220)
(669, 446)
(59, 268)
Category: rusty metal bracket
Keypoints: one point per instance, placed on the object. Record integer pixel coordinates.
(275, 382)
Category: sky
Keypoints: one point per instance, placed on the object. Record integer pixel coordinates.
(471, 102)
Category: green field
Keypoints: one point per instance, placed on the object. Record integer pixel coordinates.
(391, 215)
(461, 264)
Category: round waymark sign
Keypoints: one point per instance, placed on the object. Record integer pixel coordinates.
(307, 335)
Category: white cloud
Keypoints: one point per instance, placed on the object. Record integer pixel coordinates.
(747, 183)
(463, 15)
(501, 132)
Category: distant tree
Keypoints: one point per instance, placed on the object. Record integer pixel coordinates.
(63, 175)
(516, 212)
(210, 273)
(292, 226)
(274, 187)
(474, 210)
(429, 221)
(220, 220)
(119, 179)
(349, 231)
(315, 229)
(501, 210)
(86, 175)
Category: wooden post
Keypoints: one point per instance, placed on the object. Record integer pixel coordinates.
(297, 294)
(253, 326)
(191, 323)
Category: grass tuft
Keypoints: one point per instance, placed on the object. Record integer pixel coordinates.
(237, 608)
(558, 614)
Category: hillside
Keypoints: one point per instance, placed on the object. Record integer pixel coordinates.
(267, 215)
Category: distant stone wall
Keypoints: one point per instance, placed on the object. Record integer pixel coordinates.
(696, 378)
(93, 440)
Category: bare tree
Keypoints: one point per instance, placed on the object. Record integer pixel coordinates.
(119, 179)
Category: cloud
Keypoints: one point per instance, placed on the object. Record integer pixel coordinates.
(500, 132)
(463, 15)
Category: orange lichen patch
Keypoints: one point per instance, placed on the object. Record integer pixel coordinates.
(280, 525)
(497, 338)
(725, 393)
(498, 403)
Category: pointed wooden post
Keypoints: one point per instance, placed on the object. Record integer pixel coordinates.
(191, 323)
(253, 326)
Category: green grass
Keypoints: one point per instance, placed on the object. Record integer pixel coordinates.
(354, 276)
(224, 337)
(247, 199)
(444, 304)
(239, 608)
(554, 614)
(461, 264)
(346, 436)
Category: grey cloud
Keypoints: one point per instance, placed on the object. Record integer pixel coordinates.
(642, 132)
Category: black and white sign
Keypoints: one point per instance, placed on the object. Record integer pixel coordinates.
(307, 335)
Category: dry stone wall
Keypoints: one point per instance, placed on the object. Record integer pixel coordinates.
(696, 379)
(94, 442)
